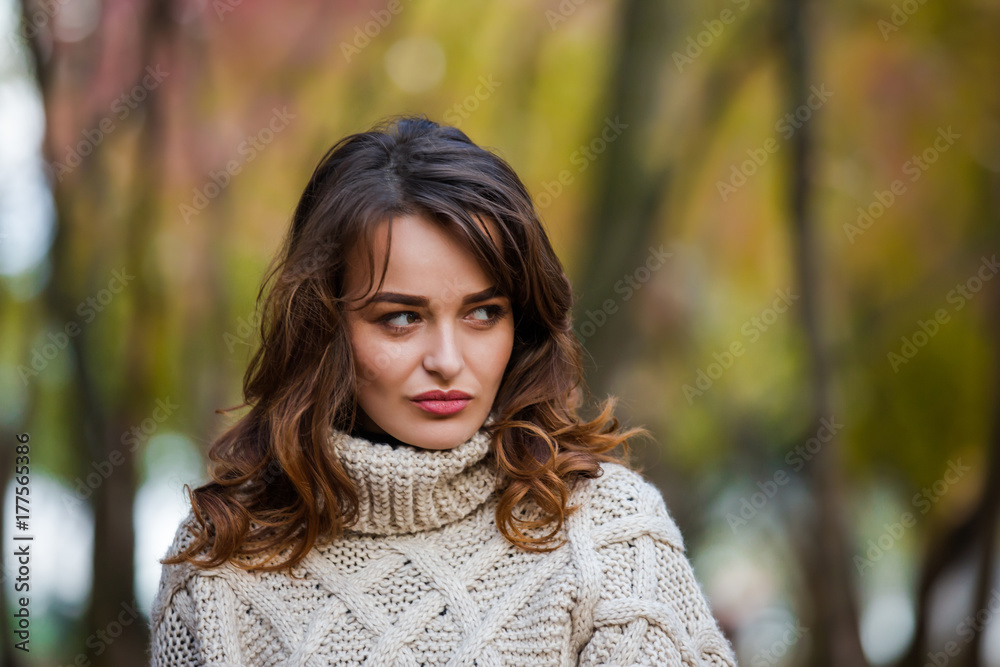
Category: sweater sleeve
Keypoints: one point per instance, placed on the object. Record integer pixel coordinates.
(649, 608)
(172, 625)
(173, 638)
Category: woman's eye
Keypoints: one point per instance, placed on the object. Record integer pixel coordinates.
(398, 320)
(493, 313)
(484, 310)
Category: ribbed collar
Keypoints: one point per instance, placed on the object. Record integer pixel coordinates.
(407, 489)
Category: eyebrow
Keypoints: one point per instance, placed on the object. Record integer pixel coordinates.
(423, 302)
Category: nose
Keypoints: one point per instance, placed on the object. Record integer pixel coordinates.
(443, 355)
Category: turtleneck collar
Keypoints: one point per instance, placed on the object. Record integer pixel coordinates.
(403, 489)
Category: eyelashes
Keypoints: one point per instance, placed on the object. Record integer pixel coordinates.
(495, 313)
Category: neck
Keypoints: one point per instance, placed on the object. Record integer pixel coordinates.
(378, 437)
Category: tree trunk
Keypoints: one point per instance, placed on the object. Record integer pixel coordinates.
(112, 617)
(834, 629)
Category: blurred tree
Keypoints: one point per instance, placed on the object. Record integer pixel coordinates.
(109, 409)
(829, 600)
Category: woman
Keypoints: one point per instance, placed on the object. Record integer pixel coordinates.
(412, 484)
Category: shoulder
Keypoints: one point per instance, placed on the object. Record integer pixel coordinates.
(638, 595)
(623, 505)
(184, 534)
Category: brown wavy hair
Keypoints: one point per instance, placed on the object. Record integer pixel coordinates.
(276, 483)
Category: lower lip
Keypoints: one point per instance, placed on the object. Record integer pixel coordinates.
(443, 407)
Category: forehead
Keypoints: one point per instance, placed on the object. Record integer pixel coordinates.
(424, 259)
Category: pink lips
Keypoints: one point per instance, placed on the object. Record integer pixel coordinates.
(442, 402)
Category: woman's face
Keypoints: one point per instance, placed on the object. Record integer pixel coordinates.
(434, 326)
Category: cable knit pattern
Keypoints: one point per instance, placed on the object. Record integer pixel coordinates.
(425, 578)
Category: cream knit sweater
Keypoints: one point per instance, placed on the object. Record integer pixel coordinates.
(425, 578)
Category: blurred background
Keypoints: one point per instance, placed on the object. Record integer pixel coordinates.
(781, 218)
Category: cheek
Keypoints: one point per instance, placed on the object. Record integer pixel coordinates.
(492, 356)
(366, 354)
(376, 359)
(362, 363)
